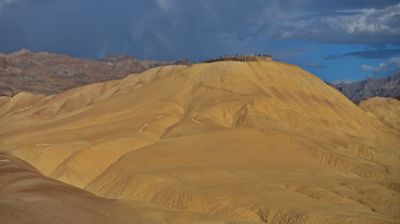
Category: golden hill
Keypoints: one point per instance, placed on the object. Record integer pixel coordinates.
(28, 197)
(385, 109)
(262, 142)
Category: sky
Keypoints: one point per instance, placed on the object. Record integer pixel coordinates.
(339, 40)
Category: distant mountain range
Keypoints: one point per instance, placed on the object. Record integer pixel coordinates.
(49, 73)
(365, 89)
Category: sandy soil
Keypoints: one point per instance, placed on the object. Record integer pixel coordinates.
(261, 142)
(385, 109)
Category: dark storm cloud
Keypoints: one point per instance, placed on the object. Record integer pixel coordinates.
(171, 29)
(84, 28)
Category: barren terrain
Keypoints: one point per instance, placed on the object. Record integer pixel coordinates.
(222, 142)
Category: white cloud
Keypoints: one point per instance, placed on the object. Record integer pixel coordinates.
(362, 25)
(165, 5)
(392, 64)
(342, 81)
(4, 3)
(367, 68)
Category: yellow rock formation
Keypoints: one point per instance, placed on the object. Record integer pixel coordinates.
(262, 142)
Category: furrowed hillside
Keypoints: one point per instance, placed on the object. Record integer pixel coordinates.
(258, 142)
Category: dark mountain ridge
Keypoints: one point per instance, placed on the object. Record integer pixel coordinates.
(49, 73)
(371, 87)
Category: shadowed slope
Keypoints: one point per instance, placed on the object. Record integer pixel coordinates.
(28, 197)
(257, 141)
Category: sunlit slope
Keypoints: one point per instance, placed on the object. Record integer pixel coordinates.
(385, 109)
(257, 141)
